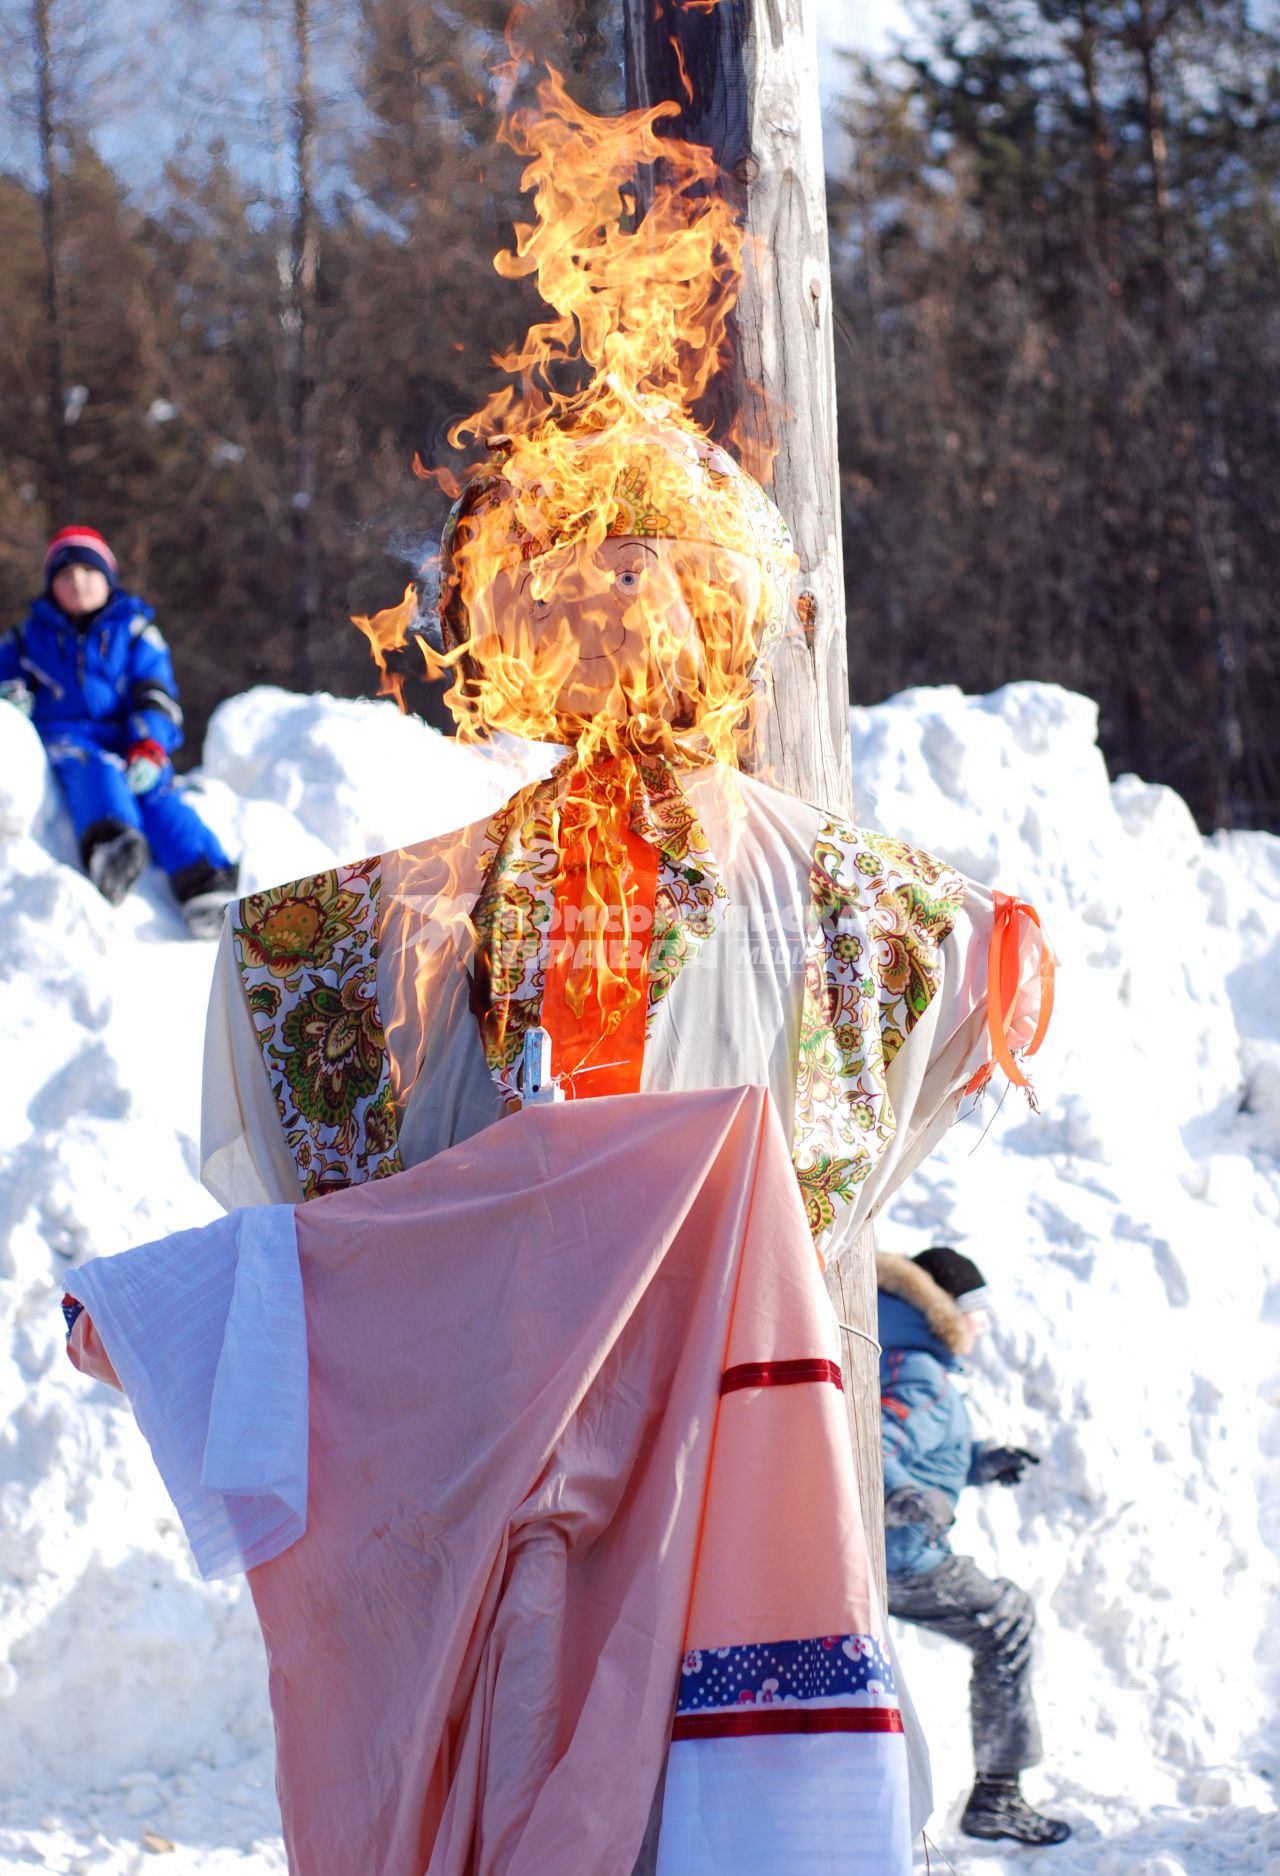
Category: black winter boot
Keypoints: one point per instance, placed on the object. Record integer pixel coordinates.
(996, 1808)
(204, 892)
(115, 858)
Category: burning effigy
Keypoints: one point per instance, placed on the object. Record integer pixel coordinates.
(511, 1379)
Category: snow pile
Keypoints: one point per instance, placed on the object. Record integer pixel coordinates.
(300, 783)
(26, 785)
(1130, 1229)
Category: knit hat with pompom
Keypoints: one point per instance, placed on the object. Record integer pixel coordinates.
(78, 547)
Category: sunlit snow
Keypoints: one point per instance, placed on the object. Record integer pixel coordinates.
(1130, 1228)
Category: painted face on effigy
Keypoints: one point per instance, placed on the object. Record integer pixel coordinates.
(602, 594)
(602, 630)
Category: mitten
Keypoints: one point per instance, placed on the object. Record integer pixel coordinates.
(1004, 1465)
(145, 765)
(920, 1504)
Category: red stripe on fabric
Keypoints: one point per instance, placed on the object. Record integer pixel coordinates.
(780, 1374)
(745, 1721)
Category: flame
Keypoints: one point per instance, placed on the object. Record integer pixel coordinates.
(389, 632)
(609, 576)
(686, 83)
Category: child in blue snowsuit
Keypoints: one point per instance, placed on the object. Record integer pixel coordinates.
(932, 1308)
(89, 666)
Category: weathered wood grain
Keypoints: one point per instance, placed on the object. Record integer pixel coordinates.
(851, 1285)
(752, 69)
(745, 75)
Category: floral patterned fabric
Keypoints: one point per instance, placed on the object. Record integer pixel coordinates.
(308, 956)
(827, 1668)
(691, 901)
(514, 914)
(879, 913)
(512, 920)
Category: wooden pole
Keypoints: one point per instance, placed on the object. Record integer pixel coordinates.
(301, 327)
(745, 76)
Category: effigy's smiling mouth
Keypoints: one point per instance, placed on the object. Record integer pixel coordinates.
(607, 653)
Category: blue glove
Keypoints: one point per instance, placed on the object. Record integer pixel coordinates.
(1001, 1465)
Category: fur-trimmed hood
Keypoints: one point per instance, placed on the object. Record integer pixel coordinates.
(941, 1315)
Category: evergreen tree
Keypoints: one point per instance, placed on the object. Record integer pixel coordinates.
(1055, 412)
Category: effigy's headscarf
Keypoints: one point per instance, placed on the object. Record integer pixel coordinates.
(663, 481)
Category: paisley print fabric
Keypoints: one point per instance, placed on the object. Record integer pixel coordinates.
(512, 920)
(514, 913)
(691, 900)
(879, 912)
(308, 960)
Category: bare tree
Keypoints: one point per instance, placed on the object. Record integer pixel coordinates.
(61, 490)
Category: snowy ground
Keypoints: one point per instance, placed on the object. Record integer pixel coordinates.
(1131, 1228)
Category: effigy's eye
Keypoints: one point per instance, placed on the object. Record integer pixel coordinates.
(539, 603)
(627, 579)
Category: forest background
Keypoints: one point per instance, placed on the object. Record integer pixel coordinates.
(246, 249)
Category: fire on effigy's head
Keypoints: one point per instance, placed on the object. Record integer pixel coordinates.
(609, 577)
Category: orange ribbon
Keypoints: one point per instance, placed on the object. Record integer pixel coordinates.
(1010, 934)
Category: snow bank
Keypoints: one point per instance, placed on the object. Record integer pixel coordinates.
(1130, 1228)
(334, 779)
